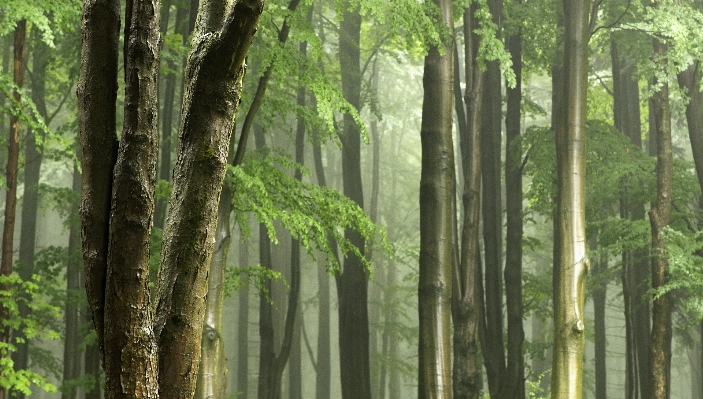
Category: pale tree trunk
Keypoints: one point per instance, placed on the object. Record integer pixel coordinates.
(436, 193)
(117, 209)
(514, 386)
(659, 217)
(466, 301)
(571, 266)
(242, 386)
(74, 337)
(323, 378)
(11, 176)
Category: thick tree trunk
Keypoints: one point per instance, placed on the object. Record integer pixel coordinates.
(492, 348)
(514, 386)
(659, 217)
(466, 301)
(74, 337)
(215, 69)
(436, 193)
(571, 266)
(352, 281)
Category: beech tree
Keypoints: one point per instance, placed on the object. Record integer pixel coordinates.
(150, 354)
(571, 262)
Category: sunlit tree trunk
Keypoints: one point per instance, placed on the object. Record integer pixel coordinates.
(514, 386)
(466, 312)
(659, 217)
(11, 177)
(571, 266)
(436, 192)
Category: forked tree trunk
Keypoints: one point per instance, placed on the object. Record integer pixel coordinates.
(436, 193)
(571, 266)
(466, 301)
(659, 217)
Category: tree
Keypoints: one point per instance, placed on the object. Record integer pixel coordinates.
(659, 218)
(118, 189)
(571, 261)
(436, 232)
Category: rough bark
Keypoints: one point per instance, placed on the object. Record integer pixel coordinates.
(214, 72)
(659, 217)
(492, 348)
(74, 337)
(436, 192)
(571, 266)
(466, 312)
(97, 93)
(514, 387)
(352, 281)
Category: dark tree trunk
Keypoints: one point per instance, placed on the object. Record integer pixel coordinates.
(243, 331)
(659, 217)
(352, 281)
(30, 196)
(571, 265)
(11, 177)
(514, 386)
(492, 349)
(466, 300)
(74, 337)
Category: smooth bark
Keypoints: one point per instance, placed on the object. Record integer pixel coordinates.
(571, 266)
(436, 192)
(466, 293)
(514, 386)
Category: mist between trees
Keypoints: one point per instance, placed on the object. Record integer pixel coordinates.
(356, 199)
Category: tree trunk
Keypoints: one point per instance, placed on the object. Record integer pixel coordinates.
(11, 177)
(659, 217)
(352, 281)
(466, 302)
(492, 349)
(514, 387)
(30, 196)
(436, 192)
(118, 277)
(571, 266)
(599, 298)
(323, 380)
(74, 337)
(92, 363)
(242, 387)
(167, 116)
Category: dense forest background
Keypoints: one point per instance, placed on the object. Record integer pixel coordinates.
(313, 280)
